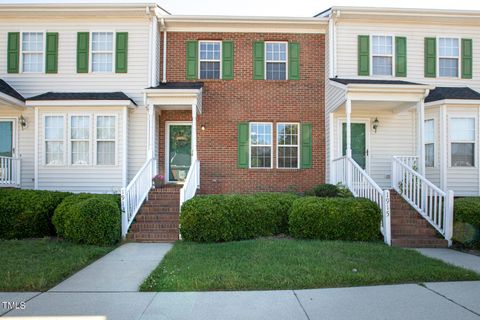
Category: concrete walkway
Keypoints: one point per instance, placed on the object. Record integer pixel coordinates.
(461, 259)
(436, 301)
(121, 270)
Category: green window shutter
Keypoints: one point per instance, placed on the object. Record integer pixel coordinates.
(306, 146)
(258, 60)
(363, 55)
(467, 58)
(121, 52)
(243, 137)
(294, 61)
(13, 51)
(430, 58)
(227, 60)
(400, 56)
(51, 56)
(192, 60)
(82, 52)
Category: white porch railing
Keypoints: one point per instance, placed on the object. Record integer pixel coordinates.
(135, 193)
(350, 174)
(434, 204)
(410, 161)
(192, 182)
(9, 171)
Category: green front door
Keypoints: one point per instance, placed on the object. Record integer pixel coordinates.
(179, 152)
(6, 138)
(358, 143)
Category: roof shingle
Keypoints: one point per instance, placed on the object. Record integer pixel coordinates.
(454, 93)
(81, 96)
(8, 90)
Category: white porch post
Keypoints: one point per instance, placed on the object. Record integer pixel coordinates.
(443, 148)
(348, 111)
(421, 136)
(194, 132)
(151, 137)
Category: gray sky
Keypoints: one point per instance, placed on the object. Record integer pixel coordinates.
(306, 8)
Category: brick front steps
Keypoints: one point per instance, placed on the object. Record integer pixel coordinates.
(157, 220)
(409, 229)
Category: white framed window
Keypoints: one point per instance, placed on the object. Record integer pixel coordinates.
(429, 143)
(54, 140)
(448, 57)
(276, 57)
(33, 47)
(102, 57)
(261, 152)
(462, 141)
(80, 139)
(288, 148)
(210, 59)
(106, 132)
(382, 55)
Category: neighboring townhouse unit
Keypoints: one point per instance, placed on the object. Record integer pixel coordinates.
(402, 103)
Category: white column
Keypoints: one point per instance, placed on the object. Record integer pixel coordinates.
(151, 131)
(443, 148)
(194, 131)
(125, 148)
(348, 110)
(36, 155)
(421, 137)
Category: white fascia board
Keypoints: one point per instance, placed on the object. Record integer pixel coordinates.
(80, 103)
(173, 96)
(11, 100)
(452, 102)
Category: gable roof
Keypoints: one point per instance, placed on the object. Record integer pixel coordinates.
(372, 81)
(452, 93)
(8, 90)
(82, 96)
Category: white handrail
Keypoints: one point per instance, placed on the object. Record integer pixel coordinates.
(10, 171)
(410, 161)
(192, 182)
(350, 174)
(135, 193)
(433, 204)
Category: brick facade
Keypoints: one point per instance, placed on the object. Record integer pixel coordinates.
(228, 102)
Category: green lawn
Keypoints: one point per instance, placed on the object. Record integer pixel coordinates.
(37, 265)
(293, 264)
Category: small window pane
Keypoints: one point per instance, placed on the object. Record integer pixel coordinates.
(429, 130)
(382, 45)
(430, 155)
(261, 157)
(106, 127)
(449, 47)
(102, 62)
(462, 129)
(54, 153)
(448, 67)
(80, 127)
(80, 152)
(102, 41)
(276, 51)
(54, 127)
(382, 66)
(463, 154)
(105, 152)
(276, 71)
(209, 70)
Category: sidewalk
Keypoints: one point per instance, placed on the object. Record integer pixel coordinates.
(464, 260)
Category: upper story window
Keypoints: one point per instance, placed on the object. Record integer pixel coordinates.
(382, 55)
(276, 60)
(462, 142)
(448, 57)
(429, 143)
(210, 59)
(102, 51)
(32, 51)
(260, 145)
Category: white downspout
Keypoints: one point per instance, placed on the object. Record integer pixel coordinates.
(150, 48)
(331, 58)
(164, 56)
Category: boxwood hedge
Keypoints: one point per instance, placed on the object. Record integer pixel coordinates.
(467, 220)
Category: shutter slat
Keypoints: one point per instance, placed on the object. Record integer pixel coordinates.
(243, 138)
(121, 52)
(294, 61)
(227, 60)
(363, 55)
(400, 56)
(192, 60)
(82, 52)
(258, 60)
(306, 146)
(430, 58)
(51, 56)
(467, 59)
(13, 52)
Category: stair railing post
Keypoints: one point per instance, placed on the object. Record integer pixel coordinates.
(448, 218)
(124, 213)
(387, 228)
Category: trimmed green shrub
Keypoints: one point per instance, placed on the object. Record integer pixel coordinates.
(218, 218)
(28, 213)
(354, 219)
(467, 220)
(327, 190)
(89, 218)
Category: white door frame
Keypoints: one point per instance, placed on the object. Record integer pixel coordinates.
(167, 147)
(365, 121)
(14, 134)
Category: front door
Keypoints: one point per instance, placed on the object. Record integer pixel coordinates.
(6, 138)
(359, 151)
(179, 155)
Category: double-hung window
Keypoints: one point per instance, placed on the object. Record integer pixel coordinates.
(106, 140)
(54, 140)
(462, 142)
(210, 59)
(276, 60)
(429, 143)
(102, 52)
(32, 52)
(80, 140)
(382, 55)
(260, 145)
(448, 57)
(288, 145)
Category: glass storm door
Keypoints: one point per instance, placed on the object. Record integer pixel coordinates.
(179, 151)
(6, 138)
(358, 142)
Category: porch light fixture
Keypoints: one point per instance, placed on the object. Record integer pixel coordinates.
(375, 125)
(22, 122)
(202, 127)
